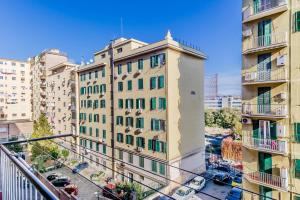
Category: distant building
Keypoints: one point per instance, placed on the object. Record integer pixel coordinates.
(220, 102)
(211, 86)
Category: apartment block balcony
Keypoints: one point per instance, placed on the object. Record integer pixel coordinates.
(273, 76)
(266, 145)
(269, 180)
(256, 44)
(262, 9)
(265, 110)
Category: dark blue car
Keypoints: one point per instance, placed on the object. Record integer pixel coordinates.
(79, 167)
(235, 194)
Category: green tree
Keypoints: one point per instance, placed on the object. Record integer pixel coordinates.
(209, 118)
(127, 187)
(65, 153)
(15, 147)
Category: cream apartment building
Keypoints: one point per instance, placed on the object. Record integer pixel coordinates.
(39, 67)
(270, 79)
(15, 106)
(153, 108)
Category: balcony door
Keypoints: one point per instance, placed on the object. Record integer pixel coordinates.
(264, 67)
(265, 162)
(264, 100)
(264, 33)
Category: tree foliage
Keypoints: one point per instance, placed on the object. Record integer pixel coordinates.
(15, 147)
(65, 153)
(224, 118)
(128, 187)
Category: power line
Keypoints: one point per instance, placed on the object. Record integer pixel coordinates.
(166, 163)
(115, 171)
(78, 173)
(146, 171)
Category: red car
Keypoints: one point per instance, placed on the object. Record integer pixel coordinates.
(72, 189)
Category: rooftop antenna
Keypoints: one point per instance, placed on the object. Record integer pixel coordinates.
(121, 26)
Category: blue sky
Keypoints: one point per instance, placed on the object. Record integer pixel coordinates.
(80, 28)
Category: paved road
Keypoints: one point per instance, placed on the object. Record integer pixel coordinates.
(219, 191)
(86, 188)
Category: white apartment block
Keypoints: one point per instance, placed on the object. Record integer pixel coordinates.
(221, 102)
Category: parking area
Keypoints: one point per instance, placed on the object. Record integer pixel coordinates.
(219, 191)
(86, 189)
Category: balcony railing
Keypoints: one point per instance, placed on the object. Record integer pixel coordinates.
(18, 181)
(274, 75)
(268, 110)
(261, 7)
(269, 145)
(273, 40)
(268, 180)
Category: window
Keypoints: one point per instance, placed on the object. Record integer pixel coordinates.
(96, 74)
(140, 142)
(103, 72)
(162, 103)
(140, 84)
(156, 145)
(103, 119)
(297, 21)
(157, 60)
(97, 147)
(119, 69)
(91, 131)
(157, 125)
(120, 154)
(103, 55)
(91, 144)
(162, 169)
(119, 120)
(139, 122)
(140, 64)
(152, 83)
(96, 104)
(129, 85)
(119, 50)
(102, 103)
(129, 67)
(120, 137)
(89, 90)
(140, 103)
(90, 75)
(104, 149)
(154, 166)
(129, 139)
(97, 132)
(153, 103)
(96, 89)
(120, 103)
(297, 132)
(297, 169)
(102, 88)
(129, 103)
(141, 162)
(161, 82)
(130, 158)
(120, 86)
(96, 117)
(90, 117)
(129, 121)
(104, 134)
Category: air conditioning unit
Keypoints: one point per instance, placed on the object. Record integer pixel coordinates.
(281, 60)
(139, 149)
(281, 130)
(102, 93)
(128, 110)
(139, 71)
(139, 130)
(125, 75)
(282, 96)
(247, 32)
(128, 128)
(246, 121)
(140, 111)
(250, 76)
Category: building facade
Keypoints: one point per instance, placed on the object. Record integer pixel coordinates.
(270, 78)
(221, 102)
(39, 68)
(148, 98)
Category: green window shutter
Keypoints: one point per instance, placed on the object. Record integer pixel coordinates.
(140, 84)
(152, 124)
(126, 103)
(152, 61)
(104, 149)
(162, 168)
(297, 169)
(129, 85)
(120, 86)
(157, 146)
(154, 166)
(81, 142)
(161, 82)
(97, 147)
(297, 21)
(97, 132)
(127, 139)
(120, 103)
(142, 122)
(152, 83)
(103, 119)
(140, 64)
(141, 162)
(150, 147)
(143, 106)
(103, 72)
(129, 67)
(137, 103)
(297, 132)
(104, 134)
(153, 103)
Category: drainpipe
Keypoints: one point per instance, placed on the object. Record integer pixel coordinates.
(290, 89)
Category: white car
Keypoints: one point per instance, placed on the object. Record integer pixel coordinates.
(197, 183)
(183, 193)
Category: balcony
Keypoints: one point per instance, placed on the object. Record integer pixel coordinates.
(265, 110)
(266, 145)
(256, 44)
(268, 180)
(274, 76)
(254, 12)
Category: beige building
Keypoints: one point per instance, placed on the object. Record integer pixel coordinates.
(39, 67)
(15, 106)
(146, 101)
(271, 88)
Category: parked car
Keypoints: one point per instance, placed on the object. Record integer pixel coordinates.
(236, 181)
(71, 189)
(223, 168)
(61, 181)
(53, 176)
(79, 167)
(197, 183)
(183, 193)
(234, 194)
(222, 178)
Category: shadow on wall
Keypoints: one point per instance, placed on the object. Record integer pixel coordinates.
(17, 129)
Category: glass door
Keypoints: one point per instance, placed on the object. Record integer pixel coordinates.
(264, 100)
(264, 33)
(264, 67)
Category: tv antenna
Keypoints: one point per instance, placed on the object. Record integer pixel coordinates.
(121, 26)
